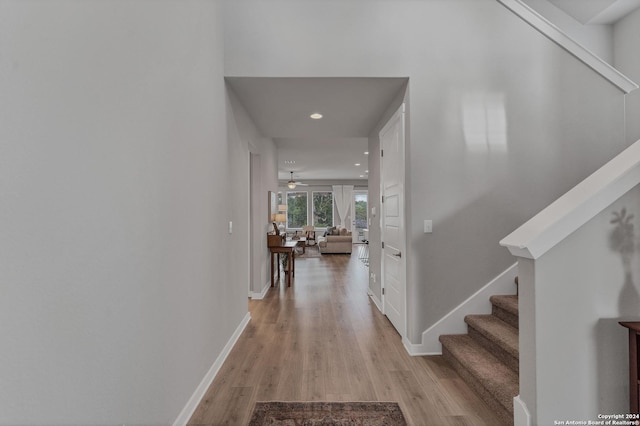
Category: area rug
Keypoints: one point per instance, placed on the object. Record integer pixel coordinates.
(310, 251)
(327, 414)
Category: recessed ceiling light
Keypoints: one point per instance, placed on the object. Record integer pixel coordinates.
(357, 164)
(361, 175)
(366, 153)
(316, 116)
(366, 171)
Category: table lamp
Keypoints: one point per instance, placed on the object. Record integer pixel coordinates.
(281, 218)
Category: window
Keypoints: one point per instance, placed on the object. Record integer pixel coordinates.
(296, 209)
(322, 209)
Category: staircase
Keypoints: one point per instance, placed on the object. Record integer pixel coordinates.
(487, 357)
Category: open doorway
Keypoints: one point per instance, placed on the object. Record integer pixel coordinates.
(314, 134)
(360, 218)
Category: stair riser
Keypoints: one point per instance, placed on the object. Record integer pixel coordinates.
(495, 349)
(503, 413)
(505, 316)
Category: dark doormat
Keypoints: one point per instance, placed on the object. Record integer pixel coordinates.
(327, 414)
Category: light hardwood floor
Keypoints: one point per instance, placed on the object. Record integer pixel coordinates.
(322, 339)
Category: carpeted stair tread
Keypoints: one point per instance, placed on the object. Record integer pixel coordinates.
(498, 380)
(508, 303)
(497, 331)
(506, 308)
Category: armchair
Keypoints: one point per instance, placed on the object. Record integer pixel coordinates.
(310, 234)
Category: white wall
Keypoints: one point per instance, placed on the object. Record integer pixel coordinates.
(268, 181)
(463, 58)
(598, 38)
(264, 178)
(117, 297)
(239, 163)
(626, 59)
(581, 290)
(626, 37)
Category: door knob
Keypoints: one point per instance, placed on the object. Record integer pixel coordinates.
(398, 254)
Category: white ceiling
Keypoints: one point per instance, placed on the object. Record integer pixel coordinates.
(325, 149)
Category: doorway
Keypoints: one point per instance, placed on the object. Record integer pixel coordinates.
(360, 221)
(329, 150)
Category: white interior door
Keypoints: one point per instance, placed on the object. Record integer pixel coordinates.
(393, 223)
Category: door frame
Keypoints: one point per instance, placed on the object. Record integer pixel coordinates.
(399, 112)
(354, 238)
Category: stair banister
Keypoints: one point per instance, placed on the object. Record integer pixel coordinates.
(546, 298)
(576, 207)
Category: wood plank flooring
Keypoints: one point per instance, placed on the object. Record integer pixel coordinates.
(322, 339)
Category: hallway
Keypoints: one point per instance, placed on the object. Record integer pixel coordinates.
(324, 340)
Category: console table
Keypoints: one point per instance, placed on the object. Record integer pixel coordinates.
(634, 361)
(287, 247)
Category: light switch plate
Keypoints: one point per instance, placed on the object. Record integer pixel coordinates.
(428, 226)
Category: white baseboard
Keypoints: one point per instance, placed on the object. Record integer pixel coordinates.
(262, 294)
(197, 396)
(416, 350)
(453, 322)
(376, 301)
(521, 416)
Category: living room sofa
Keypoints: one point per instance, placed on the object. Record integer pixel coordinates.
(335, 240)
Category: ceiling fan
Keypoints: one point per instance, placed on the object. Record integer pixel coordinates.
(292, 183)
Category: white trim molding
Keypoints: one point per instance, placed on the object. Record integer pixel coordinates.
(521, 416)
(376, 301)
(419, 349)
(192, 404)
(453, 322)
(576, 207)
(559, 37)
(259, 296)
